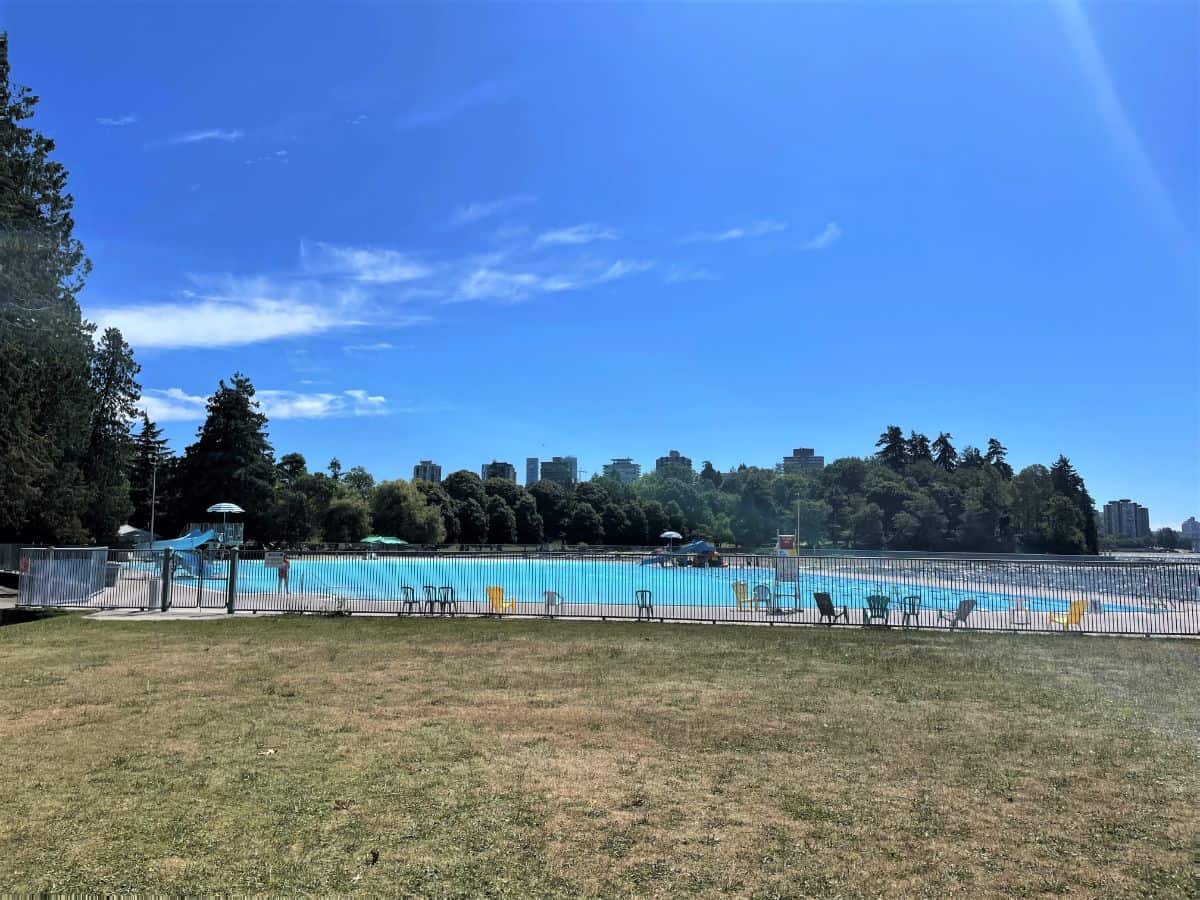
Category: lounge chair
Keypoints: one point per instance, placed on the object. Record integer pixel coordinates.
(741, 595)
(431, 597)
(762, 596)
(828, 612)
(876, 609)
(645, 603)
(554, 601)
(1074, 615)
(965, 608)
(497, 605)
(910, 609)
(447, 601)
(408, 600)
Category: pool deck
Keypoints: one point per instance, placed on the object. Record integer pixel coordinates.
(1165, 622)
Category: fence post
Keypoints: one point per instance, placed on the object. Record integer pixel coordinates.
(231, 581)
(165, 598)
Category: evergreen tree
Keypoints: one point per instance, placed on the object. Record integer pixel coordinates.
(148, 474)
(944, 454)
(115, 393)
(996, 457)
(893, 449)
(45, 346)
(918, 447)
(709, 474)
(231, 460)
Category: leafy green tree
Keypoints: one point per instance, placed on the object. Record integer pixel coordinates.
(45, 346)
(893, 449)
(676, 520)
(472, 520)
(528, 520)
(554, 506)
(584, 525)
(657, 522)
(971, 458)
(508, 491)
(115, 392)
(347, 520)
(465, 485)
(360, 482)
(710, 474)
(636, 527)
(231, 460)
(1167, 538)
(148, 473)
(335, 469)
(291, 468)
(502, 522)
(400, 510)
(866, 527)
(1062, 526)
(437, 498)
(944, 454)
(813, 517)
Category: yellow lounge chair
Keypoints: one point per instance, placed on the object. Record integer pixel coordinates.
(741, 595)
(1074, 614)
(496, 601)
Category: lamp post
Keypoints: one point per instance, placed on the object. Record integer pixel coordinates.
(153, 498)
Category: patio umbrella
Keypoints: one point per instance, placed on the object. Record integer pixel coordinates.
(225, 509)
(381, 539)
(671, 537)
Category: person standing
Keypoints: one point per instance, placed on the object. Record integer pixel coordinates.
(282, 576)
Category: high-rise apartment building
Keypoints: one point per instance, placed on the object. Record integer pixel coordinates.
(623, 470)
(427, 470)
(802, 461)
(1126, 519)
(531, 471)
(675, 464)
(496, 469)
(562, 470)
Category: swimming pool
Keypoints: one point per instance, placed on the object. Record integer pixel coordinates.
(584, 583)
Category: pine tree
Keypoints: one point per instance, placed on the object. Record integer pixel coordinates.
(231, 460)
(944, 454)
(45, 346)
(149, 474)
(918, 447)
(893, 449)
(115, 393)
(996, 457)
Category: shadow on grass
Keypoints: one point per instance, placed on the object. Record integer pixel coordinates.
(21, 616)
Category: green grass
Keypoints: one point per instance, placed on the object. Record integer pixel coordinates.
(545, 758)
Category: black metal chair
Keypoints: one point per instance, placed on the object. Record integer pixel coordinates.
(447, 600)
(645, 604)
(431, 598)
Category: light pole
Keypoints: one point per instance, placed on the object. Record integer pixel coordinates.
(153, 497)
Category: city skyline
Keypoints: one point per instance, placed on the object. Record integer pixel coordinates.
(394, 291)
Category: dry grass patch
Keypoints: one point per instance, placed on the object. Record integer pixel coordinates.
(459, 758)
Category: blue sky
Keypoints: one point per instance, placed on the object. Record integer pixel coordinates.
(466, 232)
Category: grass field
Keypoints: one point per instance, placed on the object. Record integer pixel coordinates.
(526, 758)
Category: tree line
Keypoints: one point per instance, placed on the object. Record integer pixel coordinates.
(73, 471)
(911, 494)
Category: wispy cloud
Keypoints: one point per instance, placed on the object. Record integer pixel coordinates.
(365, 264)
(491, 283)
(377, 347)
(577, 234)
(228, 135)
(829, 236)
(474, 212)
(755, 229)
(176, 405)
(233, 312)
(359, 119)
(682, 274)
(443, 109)
(116, 121)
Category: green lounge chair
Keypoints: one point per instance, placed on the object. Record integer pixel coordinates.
(828, 612)
(876, 609)
(910, 609)
(965, 608)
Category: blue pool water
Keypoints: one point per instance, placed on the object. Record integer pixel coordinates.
(596, 582)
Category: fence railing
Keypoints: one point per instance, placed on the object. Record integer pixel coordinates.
(1099, 595)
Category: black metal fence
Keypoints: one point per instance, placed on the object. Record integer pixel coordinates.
(1010, 593)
